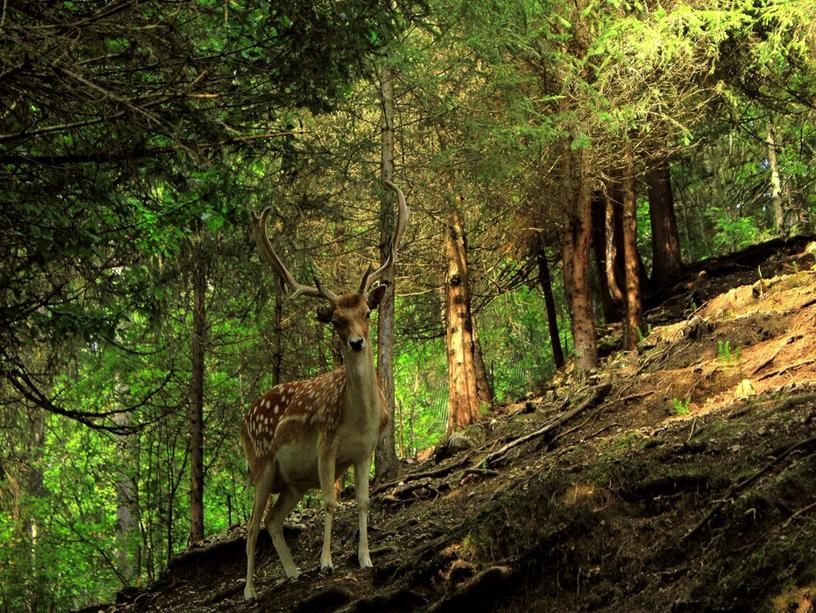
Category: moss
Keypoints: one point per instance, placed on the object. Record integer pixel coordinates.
(630, 440)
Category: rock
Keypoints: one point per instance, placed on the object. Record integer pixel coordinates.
(745, 389)
(455, 443)
(459, 442)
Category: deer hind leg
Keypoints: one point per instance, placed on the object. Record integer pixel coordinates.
(326, 469)
(287, 500)
(262, 490)
(361, 492)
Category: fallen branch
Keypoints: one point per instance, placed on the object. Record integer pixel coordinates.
(484, 472)
(599, 394)
(399, 494)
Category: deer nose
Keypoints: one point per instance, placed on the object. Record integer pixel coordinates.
(356, 344)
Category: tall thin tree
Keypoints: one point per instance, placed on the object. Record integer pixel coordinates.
(386, 461)
(667, 263)
(196, 415)
(463, 393)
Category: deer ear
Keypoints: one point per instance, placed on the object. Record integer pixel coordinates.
(324, 315)
(376, 295)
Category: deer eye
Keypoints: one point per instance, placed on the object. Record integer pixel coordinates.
(368, 315)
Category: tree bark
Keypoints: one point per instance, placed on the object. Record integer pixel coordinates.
(33, 486)
(545, 280)
(633, 299)
(576, 247)
(484, 386)
(196, 416)
(126, 516)
(386, 462)
(776, 183)
(615, 269)
(600, 250)
(463, 395)
(667, 261)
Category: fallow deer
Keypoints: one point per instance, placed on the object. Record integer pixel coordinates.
(301, 435)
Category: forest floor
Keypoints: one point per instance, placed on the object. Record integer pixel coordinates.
(676, 478)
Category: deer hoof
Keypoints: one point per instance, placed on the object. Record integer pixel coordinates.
(327, 569)
(292, 574)
(249, 593)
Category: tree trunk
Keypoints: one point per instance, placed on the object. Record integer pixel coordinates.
(386, 462)
(197, 341)
(667, 261)
(545, 280)
(484, 386)
(615, 269)
(776, 183)
(576, 244)
(463, 396)
(633, 301)
(126, 516)
(33, 487)
(600, 250)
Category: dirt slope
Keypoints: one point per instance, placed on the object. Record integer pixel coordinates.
(677, 478)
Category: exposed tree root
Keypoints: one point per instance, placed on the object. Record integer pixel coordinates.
(598, 395)
(729, 495)
(476, 592)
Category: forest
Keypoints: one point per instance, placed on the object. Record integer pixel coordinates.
(581, 175)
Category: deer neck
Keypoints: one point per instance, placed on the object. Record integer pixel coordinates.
(361, 390)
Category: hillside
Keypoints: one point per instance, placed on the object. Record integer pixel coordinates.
(677, 478)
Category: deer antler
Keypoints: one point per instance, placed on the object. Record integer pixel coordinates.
(402, 222)
(259, 230)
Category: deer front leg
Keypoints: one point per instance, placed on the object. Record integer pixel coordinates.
(361, 492)
(326, 468)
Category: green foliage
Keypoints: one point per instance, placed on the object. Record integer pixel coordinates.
(420, 376)
(735, 232)
(727, 354)
(515, 342)
(680, 406)
(643, 331)
(644, 233)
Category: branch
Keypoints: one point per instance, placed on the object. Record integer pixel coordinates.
(598, 395)
(101, 157)
(29, 390)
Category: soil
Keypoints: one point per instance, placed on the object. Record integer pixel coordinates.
(679, 477)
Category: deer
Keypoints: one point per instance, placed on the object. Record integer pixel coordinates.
(301, 435)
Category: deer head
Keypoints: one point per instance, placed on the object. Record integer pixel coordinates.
(347, 313)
